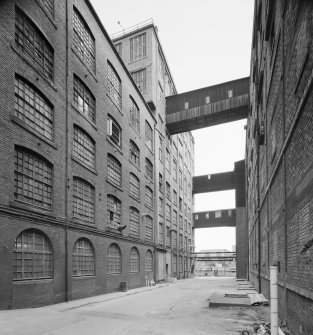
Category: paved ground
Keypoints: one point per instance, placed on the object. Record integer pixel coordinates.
(180, 308)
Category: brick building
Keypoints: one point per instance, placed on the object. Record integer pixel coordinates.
(279, 156)
(87, 196)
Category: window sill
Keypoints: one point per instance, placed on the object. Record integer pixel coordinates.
(114, 145)
(81, 114)
(111, 183)
(136, 199)
(31, 208)
(32, 281)
(116, 106)
(86, 67)
(47, 14)
(84, 165)
(113, 230)
(86, 277)
(137, 60)
(32, 131)
(31, 64)
(80, 221)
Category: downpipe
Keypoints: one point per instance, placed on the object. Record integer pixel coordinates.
(274, 299)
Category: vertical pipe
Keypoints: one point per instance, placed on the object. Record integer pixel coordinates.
(274, 300)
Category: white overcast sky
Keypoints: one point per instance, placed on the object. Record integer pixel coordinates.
(205, 42)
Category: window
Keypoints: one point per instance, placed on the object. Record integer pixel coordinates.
(186, 105)
(114, 131)
(196, 217)
(230, 93)
(168, 213)
(180, 181)
(230, 212)
(149, 261)
(185, 225)
(149, 169)
(181, 242)
(168, 236)
(175, 170)
(84, 147)
(185, 209)
(134, 153)
(161, 233)
(114, 259)
(114, 86)
(113, 211)
(134, 222)
(180, 204)
(148, 228)
(134, 115)
(149, 136)
(48, 6)
(118, 47)
(83, 258)
(160, 183)
(134, 186)
(218, 214)
(160, 149)
(84, 100)
(168, 191)
(181, 224)
(114, 171)
(33, 108)
(83, 200)
(175, 197)
(32, 179)
(83, 42)
(161, 207)
(174, 218)
(32, 256)
(185, 185)
(137, 47)
(174, 239)
(148, 197)
(134, 260)
(207, 215)
(207, 100)
(140, 79)
(175, 264)
(30, 40)
(167, 161)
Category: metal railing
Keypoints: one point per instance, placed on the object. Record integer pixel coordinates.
(132, 28)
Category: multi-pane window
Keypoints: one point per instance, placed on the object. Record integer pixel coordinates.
(168, 212)
(113, 212)
(134, 153)
(84, 42)
(84, 100)
(32, 179)
(118, 47)
(161, 233)
(134, 115)
(174, 239)
(185, 185)
(137, 47)
(114, 259)
(168, 191)
(160, 148)
(180, 204)
(148, 228)
(174, 218)
(140, 79)
(167, 161)
(134, 260)
(83, 200)
(174, 170)
(149, 169)
(33, 108)
(180, 181)
(181, 242)
(160, 206)
(168, 236)
(83, 258)
(160, 183)
(181, 224)
(149, 136)
(84, 147)
(114, 86)
(149, 261)
(134, 186)
(175, 264)
(114, 171)
(32, 256)
(175, 197)
(114, 131)
(48, 5)
(148, 197)
(31, 41)
(134, 222)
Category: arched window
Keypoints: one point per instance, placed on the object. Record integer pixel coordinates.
(83, 200)
(114, 259)
(134, 153)
(134, 115)
(134, 186)
(148, 228)
(134, 222)
(84, 147)
(114, 131)
(83, 258)
(149, 261)
(134, 260)
(149, 136)
(149, 169)
(148, 197)
(113, 211)
(114, 171)
(114, 86)
(32, 178)
(32, 256)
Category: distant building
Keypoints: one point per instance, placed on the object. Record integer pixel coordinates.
(279, 157)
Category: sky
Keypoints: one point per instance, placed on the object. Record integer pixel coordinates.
(206, 42)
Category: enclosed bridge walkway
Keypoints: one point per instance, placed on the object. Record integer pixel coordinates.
(207, 107)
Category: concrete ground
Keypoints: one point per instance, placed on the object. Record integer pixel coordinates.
(177, 308)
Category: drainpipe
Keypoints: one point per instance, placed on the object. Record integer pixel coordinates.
(66, 157)
(274, 299)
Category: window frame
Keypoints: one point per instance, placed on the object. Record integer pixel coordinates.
(114, 171)
(84, 147)
(84, 200)
(114, 86)
(134, 261)
(114, 259)
(83, 259)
